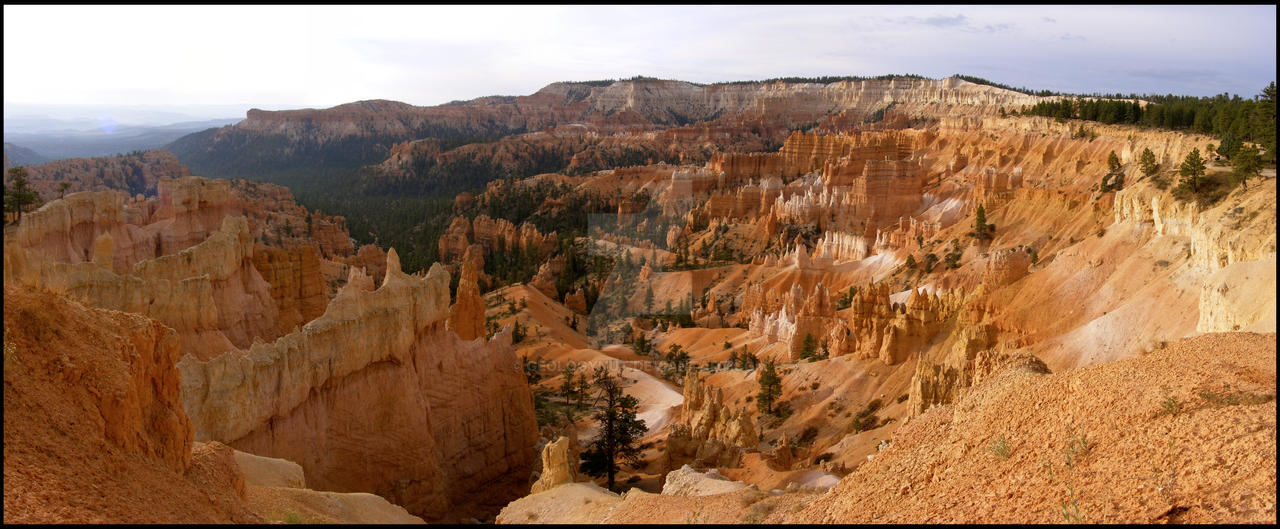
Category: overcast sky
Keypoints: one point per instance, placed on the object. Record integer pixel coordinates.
(324, 56)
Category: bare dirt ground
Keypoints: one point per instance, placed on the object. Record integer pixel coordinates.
(1183, 434)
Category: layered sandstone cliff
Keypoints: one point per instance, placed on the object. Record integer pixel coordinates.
(182, 257)
(211, 293)
(307, 396)
(493, 236)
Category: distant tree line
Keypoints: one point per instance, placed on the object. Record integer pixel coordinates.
(828, 79)
(1229, 117)
(1022, 90)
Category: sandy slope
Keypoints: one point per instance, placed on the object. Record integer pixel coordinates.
(1213, 461)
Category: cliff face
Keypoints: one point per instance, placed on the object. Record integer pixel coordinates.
(274, 215)
(365, 132)
(492, 235)
(136, 174)
(295, 280)
(211, 293)
(373, 392)
(307, 397)
(181, 257)
(94, 430)
(192, 206)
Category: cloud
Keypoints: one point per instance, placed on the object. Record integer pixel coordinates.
(998, 27)
(1068, 36)
(1049, 19)
(944, 22)
(959, 22)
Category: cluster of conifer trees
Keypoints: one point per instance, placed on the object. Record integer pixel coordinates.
(1223, 116)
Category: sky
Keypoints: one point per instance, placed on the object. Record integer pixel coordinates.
(220, 57)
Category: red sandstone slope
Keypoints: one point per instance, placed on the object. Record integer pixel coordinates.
(94, 430)
(1213, 460)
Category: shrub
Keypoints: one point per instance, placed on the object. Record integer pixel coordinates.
(1077, 448)
(758, 512)
(953, 260)
(1226, 397)
(866, 419)
(806, 438)
(1000, 448)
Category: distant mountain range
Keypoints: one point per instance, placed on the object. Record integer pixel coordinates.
(19, 155)
(105, 139)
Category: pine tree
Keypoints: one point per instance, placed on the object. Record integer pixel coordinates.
(1148, 162)
(582, 389)
(620, 430)
(517, 333)
(1230, 145)
(980, 222)
(1246, 164)
(18, 197)
(770, 388)
(808, 349)
(1192, 170)
(532, 370)
(1113, 162)
(568, 384)
(679, 358)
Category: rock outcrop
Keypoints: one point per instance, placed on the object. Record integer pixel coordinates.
(275, 216)
(709, 432)
(375, 395)
(182, 257)
(210, 293)
(135, 174)
(277, 490)
(559, 465)
(296, 283)
(686, 481)
(492, 235)
(466, 317)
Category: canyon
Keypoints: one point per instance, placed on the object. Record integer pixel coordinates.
(973, 316)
